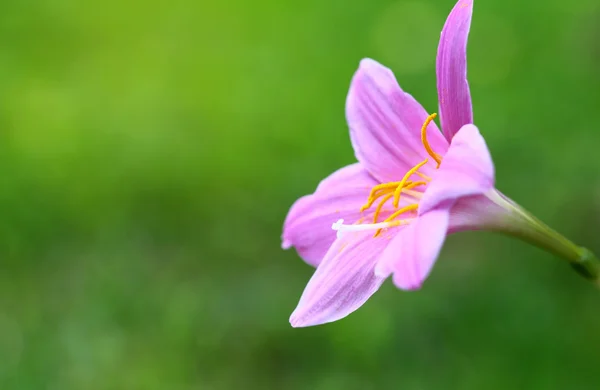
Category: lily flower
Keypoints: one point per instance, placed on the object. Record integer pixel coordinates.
(389, 214)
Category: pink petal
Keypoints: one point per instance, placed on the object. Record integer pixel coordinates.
(343, 281)
(340, 196)
(385, 124)
(467, 169)
(412, 253)
(479, 212)
(453, 89)
(489, 211)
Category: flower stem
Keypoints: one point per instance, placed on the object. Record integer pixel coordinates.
(530, 229)
(581, 259)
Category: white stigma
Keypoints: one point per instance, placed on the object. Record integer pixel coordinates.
(340, 228)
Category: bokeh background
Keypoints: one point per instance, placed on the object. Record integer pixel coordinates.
(149, 153)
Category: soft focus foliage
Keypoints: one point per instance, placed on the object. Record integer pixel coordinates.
(150, 151)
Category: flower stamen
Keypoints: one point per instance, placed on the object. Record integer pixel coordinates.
(405, 179)
(387, 194)
(413, 185)
(386, 191)
(412, 207)
(380, 206)
(414, 194)
(383, 189)
(434, 155)
(390, 219)
(424, 176)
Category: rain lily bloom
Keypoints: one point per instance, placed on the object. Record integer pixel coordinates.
(389, 214)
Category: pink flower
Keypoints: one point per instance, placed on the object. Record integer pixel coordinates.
(389, 214)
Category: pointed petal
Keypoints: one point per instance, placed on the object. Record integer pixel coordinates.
(453, 88)
(385, 124)
(467, 169)
(413, 252)
(340, 196)
(343, 281)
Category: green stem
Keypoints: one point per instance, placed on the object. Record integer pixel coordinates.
(526, 227)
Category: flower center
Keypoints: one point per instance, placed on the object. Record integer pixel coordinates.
(393, 190)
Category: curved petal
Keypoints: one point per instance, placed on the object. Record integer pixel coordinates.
(385, 124)
(307, 226)
(451, 65)
(467, 169)
(412, 253)
(490, 211)
(343, 281)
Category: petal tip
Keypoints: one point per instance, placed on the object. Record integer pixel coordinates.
(297, 321)
(368, 63)
(381, 75)
(286, 244)
(294, 322)
(463, 5)
(407, 285)
(454, 94)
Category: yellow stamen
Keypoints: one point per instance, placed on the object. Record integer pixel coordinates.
(387, 197)
(397, 222)
(372, 199)
(402, 211)
(383, 189)
(414, 194)
(380, 206)
(434, 155)
(424, 176)
(378, 187)
(390, 185)
(413, 185)
(405, 179)
(386, 191)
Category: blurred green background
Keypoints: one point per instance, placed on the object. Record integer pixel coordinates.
(151, 149)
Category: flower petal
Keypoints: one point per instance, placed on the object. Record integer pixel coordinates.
(452, 85)
(340, 196)
(467, 169)
(412, 253)
(385, 124)
(490, 211)
(343, 281)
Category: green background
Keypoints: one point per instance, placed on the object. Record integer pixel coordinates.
(150, 151)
